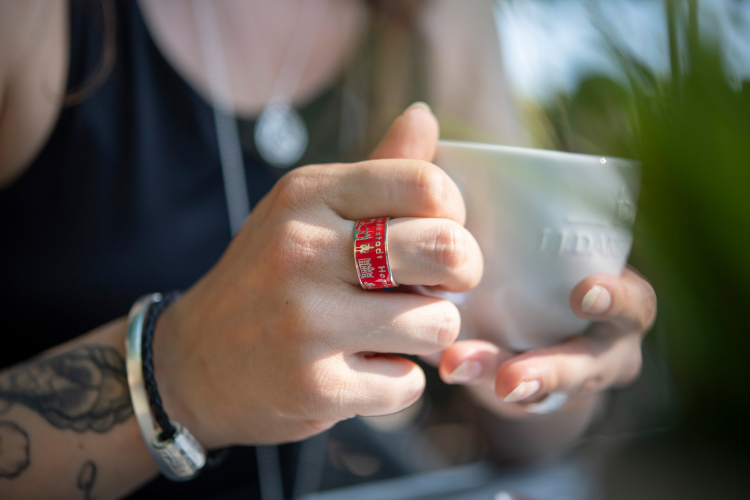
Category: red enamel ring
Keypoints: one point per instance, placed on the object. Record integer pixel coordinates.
(371, 253)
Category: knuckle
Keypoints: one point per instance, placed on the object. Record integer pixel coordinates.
(296, 187)
(632, 367)
(392, 397)
(448, 328)
(450, 248)
(430, 185)
(324, 387)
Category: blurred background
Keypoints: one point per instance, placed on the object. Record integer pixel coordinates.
(665, 82)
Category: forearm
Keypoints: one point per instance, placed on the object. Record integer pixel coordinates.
(66, 423)
(518, 436)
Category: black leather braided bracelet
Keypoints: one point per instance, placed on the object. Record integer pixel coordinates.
(147, 353)
(168, 431)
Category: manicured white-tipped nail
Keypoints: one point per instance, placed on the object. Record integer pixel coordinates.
(523, 391)
(466, 372)
(596, 301)
(420, 105)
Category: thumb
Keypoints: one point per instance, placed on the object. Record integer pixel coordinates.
(412, 136)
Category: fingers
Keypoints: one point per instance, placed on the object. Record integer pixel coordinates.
(397, 182)
(385, 186)
(413, 135)
(367, 384)
(434, 252)
(472, 362)
(396, 323)
(628, 302)
(581, 365)
(438, 252)
(385, 384)
(609, 355)
(379, 188)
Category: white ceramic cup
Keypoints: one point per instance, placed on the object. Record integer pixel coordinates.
(545, 220)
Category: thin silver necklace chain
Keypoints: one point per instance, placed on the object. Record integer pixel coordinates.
(280, 133)
(227, 135)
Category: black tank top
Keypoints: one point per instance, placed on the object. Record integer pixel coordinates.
(126, 198)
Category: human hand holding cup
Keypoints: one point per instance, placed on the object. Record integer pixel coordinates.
(555, 230)
(545, 220)
(280, 341)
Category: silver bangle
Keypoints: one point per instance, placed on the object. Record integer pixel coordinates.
(182, 457)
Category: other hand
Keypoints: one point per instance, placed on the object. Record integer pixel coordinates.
(609, 355)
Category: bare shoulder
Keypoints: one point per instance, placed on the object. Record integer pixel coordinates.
(33, 71)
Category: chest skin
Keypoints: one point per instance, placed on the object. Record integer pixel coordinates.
(256, 37)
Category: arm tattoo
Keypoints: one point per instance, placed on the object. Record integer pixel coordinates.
(83, 389)
(14, 450)
(86, 479)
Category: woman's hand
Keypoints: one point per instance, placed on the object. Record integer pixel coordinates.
(609, 355)
(279, 341)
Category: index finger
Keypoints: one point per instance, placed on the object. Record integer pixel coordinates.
(391, 188)
(580, 365)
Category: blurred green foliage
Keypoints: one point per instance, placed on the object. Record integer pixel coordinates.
(691, 131)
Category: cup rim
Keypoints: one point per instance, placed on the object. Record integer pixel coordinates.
(535, 152)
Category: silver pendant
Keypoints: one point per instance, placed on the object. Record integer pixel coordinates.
(280, 135)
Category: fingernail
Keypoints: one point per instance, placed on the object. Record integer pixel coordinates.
(523, 391)
(420, 105)
(466, 372)
(596, 301)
